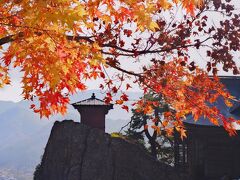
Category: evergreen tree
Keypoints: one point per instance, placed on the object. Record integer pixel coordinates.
(154, 139)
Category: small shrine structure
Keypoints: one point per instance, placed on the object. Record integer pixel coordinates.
(93, 111)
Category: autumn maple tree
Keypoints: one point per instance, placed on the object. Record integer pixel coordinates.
(59, 44)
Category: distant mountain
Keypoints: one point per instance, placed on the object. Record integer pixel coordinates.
(23, 135)
(5, 105)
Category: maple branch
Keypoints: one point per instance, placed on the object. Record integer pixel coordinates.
(135, 52)
(10, 38)
(123, 70)
(79, 38)
(6, 39)
(139, 75)
(145, 129)
(130, 122)
(131, 52)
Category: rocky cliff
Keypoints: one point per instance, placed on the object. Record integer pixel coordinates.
(77, 152)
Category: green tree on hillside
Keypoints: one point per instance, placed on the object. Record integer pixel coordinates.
(143, 128)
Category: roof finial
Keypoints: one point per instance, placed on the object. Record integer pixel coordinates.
(93, 96)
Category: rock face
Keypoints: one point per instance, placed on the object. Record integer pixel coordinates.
(77, 152)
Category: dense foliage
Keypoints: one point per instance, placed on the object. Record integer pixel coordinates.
(59, 44)
(154, 139)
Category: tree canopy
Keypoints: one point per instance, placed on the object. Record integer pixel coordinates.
(161, 145)
(59, 44)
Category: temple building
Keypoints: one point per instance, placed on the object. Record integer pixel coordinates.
(208, 152)
(93, 111)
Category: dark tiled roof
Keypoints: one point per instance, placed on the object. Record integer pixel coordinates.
(93, 101)
(232, 84)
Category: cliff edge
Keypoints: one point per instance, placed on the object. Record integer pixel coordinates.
(77, 152)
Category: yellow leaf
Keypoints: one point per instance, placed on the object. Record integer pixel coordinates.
(183, 133)
(96, 46)
(165, 4)
(50, 43)
(228, 103)
(65, 69)
(81, 11)
(153, 26)
(116, 135)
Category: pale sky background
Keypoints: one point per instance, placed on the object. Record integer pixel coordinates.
(13, 91)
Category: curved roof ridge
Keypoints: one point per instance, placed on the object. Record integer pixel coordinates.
(91, 102)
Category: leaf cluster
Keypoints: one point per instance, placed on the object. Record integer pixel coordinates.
(60, 44)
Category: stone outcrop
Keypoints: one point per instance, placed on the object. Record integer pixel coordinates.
(77, 152)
